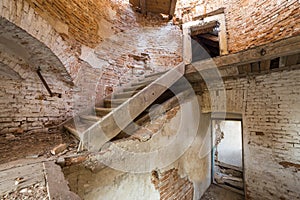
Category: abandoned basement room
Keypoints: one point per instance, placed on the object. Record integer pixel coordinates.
(150, 99)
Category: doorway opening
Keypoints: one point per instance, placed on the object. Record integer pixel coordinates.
(205, 41)
(227, 154)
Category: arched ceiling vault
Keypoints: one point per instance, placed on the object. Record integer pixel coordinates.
(19, 49)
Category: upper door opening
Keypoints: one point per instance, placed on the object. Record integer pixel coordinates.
(204, 38)
(205, 41)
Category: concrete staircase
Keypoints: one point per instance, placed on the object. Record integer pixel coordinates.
(122, 108)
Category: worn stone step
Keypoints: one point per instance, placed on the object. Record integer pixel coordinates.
(76, 127)
(73, 131)
(113, 103)
(149, 78)
(134, 88)
(89, 118)
(122, 95)
(144, 82)
(107, 128)
(101, 112)
(156, 74)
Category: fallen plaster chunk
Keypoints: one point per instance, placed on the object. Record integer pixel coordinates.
(58, 149)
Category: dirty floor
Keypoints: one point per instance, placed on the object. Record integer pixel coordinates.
(215, 192)
(23, 157)
(34, 145)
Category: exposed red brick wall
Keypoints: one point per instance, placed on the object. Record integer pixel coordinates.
(172, 186)
(249, 23)
(114, 32)
(83, 19)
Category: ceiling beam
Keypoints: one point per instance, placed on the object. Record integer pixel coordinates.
(201, 29)
(273, 50)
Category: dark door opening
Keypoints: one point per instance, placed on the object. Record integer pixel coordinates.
(227, 154)
(205, 44)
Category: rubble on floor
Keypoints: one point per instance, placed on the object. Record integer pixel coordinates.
(28, 164)
(28, 146)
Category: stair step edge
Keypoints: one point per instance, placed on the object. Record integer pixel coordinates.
(72, 131)
(142, 83)
(90, 117)
(156, 74)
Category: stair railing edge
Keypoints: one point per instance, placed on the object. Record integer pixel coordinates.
(180, 68)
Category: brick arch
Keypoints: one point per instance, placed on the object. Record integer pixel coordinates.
(36, 34)
(6, 71)
(13, 66)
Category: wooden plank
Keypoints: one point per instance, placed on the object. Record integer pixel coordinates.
(102, 111)
(283, 47)
(113, 123)
(210, 37)
(212, 45)
(221, 164)
(57, 186)
(27, 175)
(223, 35)
(187, 46)
(201, 29)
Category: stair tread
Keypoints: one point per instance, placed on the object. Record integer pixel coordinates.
(146, 82)
(103, 109)
(121, 95)
(156, 74)
(101, 112)
(111, 127)
(77, 129)
(120, 100)
(90, 117)
(113, 103)
(134, 88)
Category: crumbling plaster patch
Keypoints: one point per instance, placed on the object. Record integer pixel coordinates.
(191, 160)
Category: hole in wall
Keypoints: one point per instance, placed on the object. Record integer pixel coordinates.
(274, 63)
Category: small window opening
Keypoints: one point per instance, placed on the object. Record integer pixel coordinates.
(275, 63)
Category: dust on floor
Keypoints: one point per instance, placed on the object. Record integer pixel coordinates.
(215, 192)
(31, 145)
(20, 154)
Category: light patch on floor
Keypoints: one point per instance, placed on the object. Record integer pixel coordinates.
(215, 192)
